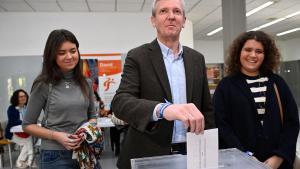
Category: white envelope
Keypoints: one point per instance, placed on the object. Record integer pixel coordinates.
(202, 150)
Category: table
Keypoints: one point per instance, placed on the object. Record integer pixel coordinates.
(17, 128)
(228, 159)
(105, 122)
(101, 122)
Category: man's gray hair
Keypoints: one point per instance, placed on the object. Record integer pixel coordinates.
(155, 2)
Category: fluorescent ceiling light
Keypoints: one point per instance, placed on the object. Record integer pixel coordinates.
(214, 31)
(247, 14)
(268, 24)
(289, 31)
(259, 8)
(275, 21)
(293, 14)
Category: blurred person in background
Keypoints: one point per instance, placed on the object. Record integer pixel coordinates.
(15, 113)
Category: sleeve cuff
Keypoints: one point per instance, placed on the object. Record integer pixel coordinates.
(156, 112)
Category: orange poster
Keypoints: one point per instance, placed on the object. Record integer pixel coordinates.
(105, 71)
(109, 67)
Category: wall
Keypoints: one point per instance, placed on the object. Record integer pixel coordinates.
(12, 69)
(23, 37)
(213, 49)
(25, 34)
(292, 49)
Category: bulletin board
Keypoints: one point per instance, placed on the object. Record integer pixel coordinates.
(214, 75)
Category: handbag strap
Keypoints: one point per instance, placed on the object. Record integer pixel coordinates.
(44, 121)
(279, 102)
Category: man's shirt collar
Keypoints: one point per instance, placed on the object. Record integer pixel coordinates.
(166, 51)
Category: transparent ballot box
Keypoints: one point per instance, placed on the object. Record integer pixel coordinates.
(228, 159)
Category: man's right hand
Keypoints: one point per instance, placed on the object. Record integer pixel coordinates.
(188, 114)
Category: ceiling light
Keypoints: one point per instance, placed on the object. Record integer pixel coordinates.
(268, 24)
(259, 8)
(247, 14)
(275, 21)
(293, 14)
(289, 31)
(214, 31)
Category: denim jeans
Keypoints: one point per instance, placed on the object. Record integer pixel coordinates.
(57, 159)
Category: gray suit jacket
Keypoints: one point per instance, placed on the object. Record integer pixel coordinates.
(145, 84)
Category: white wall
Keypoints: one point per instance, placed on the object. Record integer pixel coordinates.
(25, 34)
(292, 49)
(213, 50)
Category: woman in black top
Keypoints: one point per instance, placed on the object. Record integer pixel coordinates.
(246, 105)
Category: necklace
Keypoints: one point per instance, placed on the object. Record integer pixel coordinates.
(258, 87)
(67, 85)
(262, 104)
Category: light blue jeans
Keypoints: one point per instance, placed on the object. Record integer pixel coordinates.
(57, 159)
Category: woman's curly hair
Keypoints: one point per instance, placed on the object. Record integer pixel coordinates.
(272, 55)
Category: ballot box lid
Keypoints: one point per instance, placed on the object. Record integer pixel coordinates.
(228, 159)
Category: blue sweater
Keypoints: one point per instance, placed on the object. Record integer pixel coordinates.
(238, 122)
(13, 115)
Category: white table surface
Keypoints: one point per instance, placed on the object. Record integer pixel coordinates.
(17, 128)
(105, 122)
(101, 122)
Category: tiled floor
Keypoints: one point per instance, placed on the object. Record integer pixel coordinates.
(108, 160)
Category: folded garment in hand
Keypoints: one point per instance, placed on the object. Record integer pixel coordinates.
(88, 154)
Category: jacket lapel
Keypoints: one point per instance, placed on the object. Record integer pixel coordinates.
(159, 67)
(270, 93)
(189, 73)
